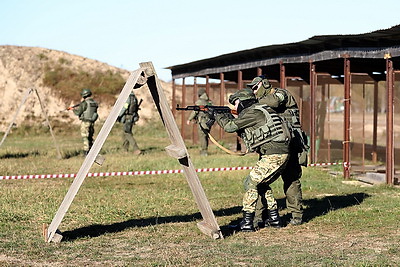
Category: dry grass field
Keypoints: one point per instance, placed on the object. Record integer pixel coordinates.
(150, 220)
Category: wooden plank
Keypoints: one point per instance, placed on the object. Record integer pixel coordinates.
(52, 235)
(210, 225)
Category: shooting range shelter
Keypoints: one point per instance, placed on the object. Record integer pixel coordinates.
(346, 86)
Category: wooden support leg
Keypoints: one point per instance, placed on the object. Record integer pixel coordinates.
(178, 150)
(52, 232)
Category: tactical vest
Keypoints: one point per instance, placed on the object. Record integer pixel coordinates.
(275, 129)
(299, 141)
(203, 118)
(133, 107)
(90, 114)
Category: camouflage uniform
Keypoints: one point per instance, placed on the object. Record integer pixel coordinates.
(201, 119)
(284, 103)
(87, 113)
(129, 116)
(273, 156)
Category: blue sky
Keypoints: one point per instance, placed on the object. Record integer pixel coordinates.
(125, 33)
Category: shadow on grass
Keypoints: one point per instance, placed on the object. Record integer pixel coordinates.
(71, 154)
(100, 229)
(19, 155)
(320, 206)
(317, 207)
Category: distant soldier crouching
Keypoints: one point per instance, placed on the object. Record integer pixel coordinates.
(87, 113)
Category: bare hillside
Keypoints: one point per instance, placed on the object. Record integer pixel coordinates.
(22, 68)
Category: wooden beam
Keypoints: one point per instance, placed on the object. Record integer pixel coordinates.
(389, 121)
(178, 150)
(90, 158)
(346, 118)
(312, 113)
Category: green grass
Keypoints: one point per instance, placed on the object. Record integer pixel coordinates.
(150, 220)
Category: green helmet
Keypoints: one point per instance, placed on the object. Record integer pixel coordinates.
(244, 94)
(201, 91)
(86, 92)
(265, 83)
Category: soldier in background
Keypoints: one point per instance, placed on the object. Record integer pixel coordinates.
(87, 113)
(201, 118)
(129, 115)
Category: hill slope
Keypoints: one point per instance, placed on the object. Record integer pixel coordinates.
(22, 68)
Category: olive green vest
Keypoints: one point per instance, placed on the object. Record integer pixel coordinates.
(90, 114)
(272, 137)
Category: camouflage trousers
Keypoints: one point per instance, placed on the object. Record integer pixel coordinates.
(127, 136)
(203, 138)
(266, 171)
(87, 132)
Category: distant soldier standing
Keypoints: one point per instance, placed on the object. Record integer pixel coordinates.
(87, 113)
(129, 115)
(201, 118)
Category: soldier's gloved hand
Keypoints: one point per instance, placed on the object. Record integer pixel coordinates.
(211, 113)
(210, 123)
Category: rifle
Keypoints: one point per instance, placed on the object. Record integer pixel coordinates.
(140, 102)
(72, 107)
(209, 109)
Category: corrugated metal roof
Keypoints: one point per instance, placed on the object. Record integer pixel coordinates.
(373, 45)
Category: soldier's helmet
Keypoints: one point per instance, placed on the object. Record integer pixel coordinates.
(265, 83)
(201, 91)
(86, 92)
(244, 94)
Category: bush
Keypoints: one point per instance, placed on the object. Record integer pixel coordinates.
(67, 83)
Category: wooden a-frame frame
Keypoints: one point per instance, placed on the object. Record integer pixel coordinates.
(145, 74)
(27, 94)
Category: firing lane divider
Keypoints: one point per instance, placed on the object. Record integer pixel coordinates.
(133, 173)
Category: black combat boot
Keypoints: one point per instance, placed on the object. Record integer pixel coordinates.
(246, 225)
(273, 219)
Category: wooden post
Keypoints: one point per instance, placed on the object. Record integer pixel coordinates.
(282, 75)
(221, 98)
(178, 150)
(240, 80)
(312, 113)
(53, 235)
(240, 86)
(183, 120)
(389, 120)
(375, 125)
(173, 98)
(259, 71)
(194, 126)
(346, 118)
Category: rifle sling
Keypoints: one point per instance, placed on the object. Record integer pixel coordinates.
(224, 148)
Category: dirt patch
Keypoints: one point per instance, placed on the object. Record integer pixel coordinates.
(22, 68)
